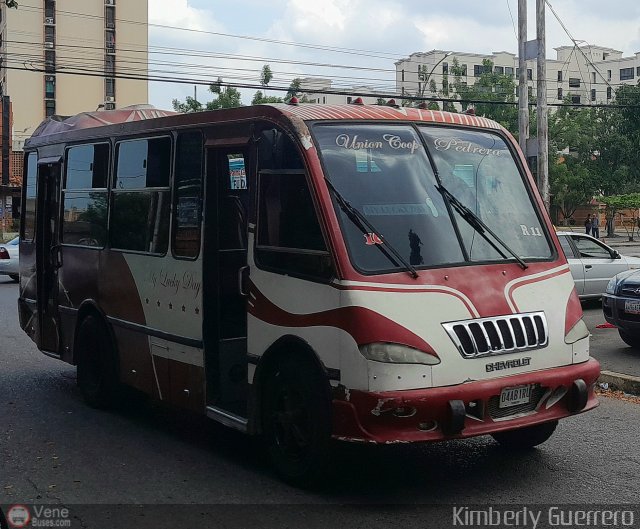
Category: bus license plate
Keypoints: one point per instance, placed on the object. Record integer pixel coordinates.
(514, 396)
(632, 307)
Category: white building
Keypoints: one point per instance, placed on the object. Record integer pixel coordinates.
(588, 74)
(327, 94)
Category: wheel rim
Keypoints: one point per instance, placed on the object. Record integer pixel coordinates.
(293, 429)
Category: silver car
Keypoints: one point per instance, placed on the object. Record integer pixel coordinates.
(9, 259)
(593, 263)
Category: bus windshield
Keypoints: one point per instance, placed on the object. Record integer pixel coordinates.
(384, 172)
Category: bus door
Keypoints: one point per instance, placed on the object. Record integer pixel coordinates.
(48, 254)
(225, 278)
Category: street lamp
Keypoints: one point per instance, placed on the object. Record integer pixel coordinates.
(424, 77)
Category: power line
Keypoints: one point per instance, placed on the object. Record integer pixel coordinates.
(93, 73)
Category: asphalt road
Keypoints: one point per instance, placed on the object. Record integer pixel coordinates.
(55, 449)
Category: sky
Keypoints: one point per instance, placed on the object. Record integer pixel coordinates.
(353, 42)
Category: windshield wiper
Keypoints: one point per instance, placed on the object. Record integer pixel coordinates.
(477, 224)
(367, 228)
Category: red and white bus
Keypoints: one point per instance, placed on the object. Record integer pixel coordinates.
(376, 274)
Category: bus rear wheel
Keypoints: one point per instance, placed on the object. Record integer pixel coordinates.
(527, 437)
(97, 366)
(297, 421)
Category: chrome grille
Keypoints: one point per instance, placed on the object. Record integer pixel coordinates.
(499, 335)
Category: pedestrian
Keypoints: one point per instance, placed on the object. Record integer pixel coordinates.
(595, 226)
(587, 224)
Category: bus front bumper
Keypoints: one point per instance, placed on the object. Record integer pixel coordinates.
(464, 410)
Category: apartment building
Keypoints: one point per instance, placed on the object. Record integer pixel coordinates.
(586, 74)
(329, 94)
(65, 56)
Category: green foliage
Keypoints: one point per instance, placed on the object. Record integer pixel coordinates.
(266, 75)
(260, 99)
(188, 106)
(603, 159)
(11, 3)
(494, 88)
(226, 97)
(294, 88)
(294, 91)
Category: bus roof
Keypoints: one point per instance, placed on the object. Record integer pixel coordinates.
(88, 120)
(298, 112)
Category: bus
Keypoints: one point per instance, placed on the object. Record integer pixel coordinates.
(304, 273)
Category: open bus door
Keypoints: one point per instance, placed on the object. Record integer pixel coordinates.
(48, 255)
(225, 303)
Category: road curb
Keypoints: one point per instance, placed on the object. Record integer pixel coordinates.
(627, 383)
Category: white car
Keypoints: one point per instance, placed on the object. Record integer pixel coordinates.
(10, 259)
(593, 263)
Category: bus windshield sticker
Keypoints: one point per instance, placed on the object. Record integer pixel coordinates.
(459, 145)
(370, 239)
(388, 140)
(376, 210)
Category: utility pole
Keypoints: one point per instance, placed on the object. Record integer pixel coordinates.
(543, 123)
(523, 92)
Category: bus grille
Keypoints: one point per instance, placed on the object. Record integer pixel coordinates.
(496, 412)
(500, 335)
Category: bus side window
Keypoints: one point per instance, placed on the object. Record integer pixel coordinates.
(85, 195)
(31, 183)
(188, 195)
(141, 196)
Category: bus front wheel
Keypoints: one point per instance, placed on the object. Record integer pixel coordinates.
(297, 421)
(527, 437)
(97, 367)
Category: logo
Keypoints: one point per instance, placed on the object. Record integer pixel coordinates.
(18, 516)
(508, 364)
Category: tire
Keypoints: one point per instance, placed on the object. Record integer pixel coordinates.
(527, 437)
(97, 365)
(296, 421)
(15, 277)
(632, 340)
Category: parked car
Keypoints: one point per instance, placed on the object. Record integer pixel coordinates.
(9, 259)
(621, 306)
(593, 263)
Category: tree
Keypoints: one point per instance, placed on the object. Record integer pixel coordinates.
(226, 97)
(496, 89)
(294, 91)
(189, 105)
(266, 75)
(11, 3)
(260, 99)
(615, 203)
(294, 88)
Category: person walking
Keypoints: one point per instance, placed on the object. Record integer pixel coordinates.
(587, 224)
(595, 226)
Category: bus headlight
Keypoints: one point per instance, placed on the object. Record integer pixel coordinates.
(611, 285)
(394, 353)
